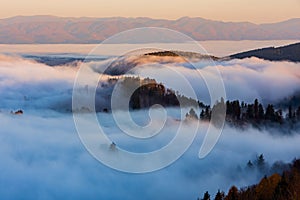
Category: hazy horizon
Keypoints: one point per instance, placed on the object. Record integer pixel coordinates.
(232, 10)
(154, 18)
(219, 48)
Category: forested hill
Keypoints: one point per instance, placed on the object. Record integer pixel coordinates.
(279, 186)
(285, 53)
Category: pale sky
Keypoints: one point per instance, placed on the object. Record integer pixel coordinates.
(257, 11)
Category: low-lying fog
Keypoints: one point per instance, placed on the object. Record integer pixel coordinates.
(43, 158)
(24, 83)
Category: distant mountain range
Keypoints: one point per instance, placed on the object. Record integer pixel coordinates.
(51, 29)
(285, 53)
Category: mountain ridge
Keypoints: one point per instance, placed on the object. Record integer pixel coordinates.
(283, 53)
(45, 29)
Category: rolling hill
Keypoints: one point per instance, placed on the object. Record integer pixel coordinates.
(285, 53)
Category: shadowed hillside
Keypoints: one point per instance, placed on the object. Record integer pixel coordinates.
(285, 53)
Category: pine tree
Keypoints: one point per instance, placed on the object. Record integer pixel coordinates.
(202, 114)
(261, 163)
(233, 194)
(250, 112)
(237, 109)
(192, 114)
(207, 112)
(270, 113)
(250, 165)
(261, 112)
(220, 195)
(206, 196)
(255, 107)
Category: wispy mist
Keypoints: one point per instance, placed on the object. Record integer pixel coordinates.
(43, 158)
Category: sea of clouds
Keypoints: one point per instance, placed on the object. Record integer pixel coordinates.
(28, 84)
(244, 79)
(42, 156)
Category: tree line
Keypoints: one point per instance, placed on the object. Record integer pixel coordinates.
(240, 114)
(278, 186)
(255, 113)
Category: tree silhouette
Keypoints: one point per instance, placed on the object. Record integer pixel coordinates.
(270, 113)
(261, 163)
(255, 108)
(233, 194)
(219, 195)
(261, 112)
(206, 196)
(250, 165)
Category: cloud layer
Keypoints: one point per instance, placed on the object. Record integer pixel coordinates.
(26, 84)
(43, 158)
(245, 79)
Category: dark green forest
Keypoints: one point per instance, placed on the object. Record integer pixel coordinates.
(243, 114)
(238, 114)
(285, 53)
